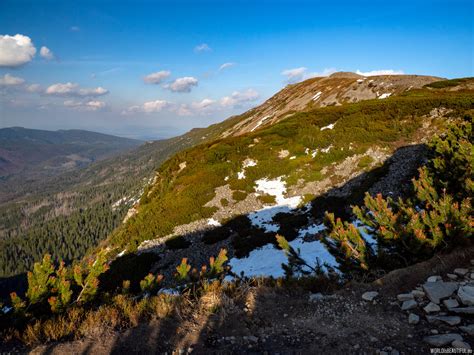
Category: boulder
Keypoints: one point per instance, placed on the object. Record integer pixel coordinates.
(451, 320)
(410, 304)
(418, 293)
(315, 297)
(434, 278)
(369, 296)
(466, 295)
(442, 339)
(436, 291)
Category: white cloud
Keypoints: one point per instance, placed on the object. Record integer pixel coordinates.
(157, 77)
(324, 72)
(226, 65)
(203, 47)
(46, 53)
(238, 98)
(184, 84)
(380, 72)
(149, 107)
(202, 107)
(16, 50)
(73, 90)
(294, 75)
(75, 28)
(92, 105)
(10, 80)
(34, 88)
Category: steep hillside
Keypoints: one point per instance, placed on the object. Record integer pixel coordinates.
(334, 90)
(30, 153)
(69, 213)
(238, 192)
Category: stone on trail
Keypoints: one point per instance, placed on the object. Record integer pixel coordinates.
(451, 320)
(451, 303)
(434, 278)
(458, 344)
(463, 310)
(432, 308)
(369, 296)
(418, 293)
(413, 318)
(461, 271)
(410, 304)
(442, 339)
(405, 297)
(469, 329)
(436, 291)
(466, 295)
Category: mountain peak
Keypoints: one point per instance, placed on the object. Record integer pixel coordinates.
(345, 74)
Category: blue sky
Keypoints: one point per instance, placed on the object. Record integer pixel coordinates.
(99, 53)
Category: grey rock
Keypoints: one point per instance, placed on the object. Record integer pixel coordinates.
(418, 293)
(469, 329)
(431, 308)
(314, 297)
(442, 339)
(410, 304)
(405, 297)
(458, 344)
(434, 278)
(413, 318)
(463, 310)
(252, 338)
(461, 271)
(466, 295)
(451, 303)
(436, 291)
(369, 296)
(452, 276)
(451, 320)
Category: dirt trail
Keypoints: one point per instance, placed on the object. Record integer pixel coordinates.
(275, 321)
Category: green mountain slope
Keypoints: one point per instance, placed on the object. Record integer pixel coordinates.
(306, 151)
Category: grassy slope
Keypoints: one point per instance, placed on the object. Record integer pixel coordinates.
(178, 196)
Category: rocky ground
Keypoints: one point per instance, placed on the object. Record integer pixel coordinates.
(408, 311)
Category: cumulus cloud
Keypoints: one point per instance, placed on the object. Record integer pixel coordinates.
(34, 88)
(202, 107)
(184, 84)
(149, 107)
(380, 72)
(16, 50)
(203, 47)
(92, 105)
(294, 75)
(46, 53)
(226, 66)
(10, 80)
(157, 77)
(238, 98)
(74, 90)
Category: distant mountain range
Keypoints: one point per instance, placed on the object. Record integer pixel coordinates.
(31, 153)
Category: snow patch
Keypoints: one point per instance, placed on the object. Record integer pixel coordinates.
(326, 150)
(316, 96)
(292, 157)
(329, 126)
(384, 96)
(246, 164)
(213, 222)
(259, 123)
(276, 187)
(122, 253)
(267, 260)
